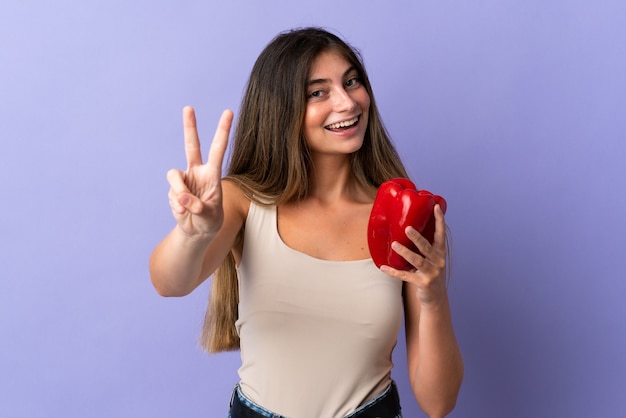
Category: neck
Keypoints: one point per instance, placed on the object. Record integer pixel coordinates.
(332, 181)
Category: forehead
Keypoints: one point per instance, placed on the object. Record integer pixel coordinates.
(327, 63)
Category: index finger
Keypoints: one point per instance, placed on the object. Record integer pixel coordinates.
(440, 228)
(192, 141)
(220, 141)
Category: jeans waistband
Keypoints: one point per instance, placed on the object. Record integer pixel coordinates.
(385, 405)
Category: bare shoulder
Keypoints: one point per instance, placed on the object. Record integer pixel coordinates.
(235, 202)
(236, 205)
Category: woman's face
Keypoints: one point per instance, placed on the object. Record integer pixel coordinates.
(336, 114)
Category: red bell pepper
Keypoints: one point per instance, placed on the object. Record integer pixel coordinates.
(399, 204)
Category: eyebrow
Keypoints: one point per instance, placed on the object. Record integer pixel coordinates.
(326, 80)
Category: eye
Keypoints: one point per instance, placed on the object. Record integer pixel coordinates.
(316, 94)
(353, 82)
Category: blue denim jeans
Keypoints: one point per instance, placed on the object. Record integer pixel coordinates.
(246, 408)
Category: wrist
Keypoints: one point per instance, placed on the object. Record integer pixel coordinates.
(192, 238)
(434, 304)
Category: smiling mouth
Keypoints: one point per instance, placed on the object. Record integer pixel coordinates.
(343, 125)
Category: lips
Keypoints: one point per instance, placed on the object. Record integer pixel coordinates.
(399, 204)
(345, 124)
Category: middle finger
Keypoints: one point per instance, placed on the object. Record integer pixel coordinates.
(192, 141)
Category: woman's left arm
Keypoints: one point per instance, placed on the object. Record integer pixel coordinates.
(433, 355)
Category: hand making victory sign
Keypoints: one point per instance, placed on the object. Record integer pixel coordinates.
(195, 195)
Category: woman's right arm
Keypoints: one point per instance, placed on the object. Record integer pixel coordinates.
(209, 214)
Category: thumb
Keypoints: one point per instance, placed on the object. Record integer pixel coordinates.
(190, 203)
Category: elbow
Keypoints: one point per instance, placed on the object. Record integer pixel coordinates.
(168, 292)
(448, 402)
(164, 291)
(163, 288)
(444, 401)
(164, 284)
(442, 410)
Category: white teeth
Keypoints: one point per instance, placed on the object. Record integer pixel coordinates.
(343, 124)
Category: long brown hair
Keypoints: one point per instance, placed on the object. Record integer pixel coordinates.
(270, 160)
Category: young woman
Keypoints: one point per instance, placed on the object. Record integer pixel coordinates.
(294, 287)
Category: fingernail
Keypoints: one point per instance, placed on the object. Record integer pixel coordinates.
(410, 230)
(184, 201)
(395, 245)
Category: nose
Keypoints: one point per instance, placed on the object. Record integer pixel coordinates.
(343, 101)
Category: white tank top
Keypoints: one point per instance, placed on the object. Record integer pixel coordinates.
(316, 335)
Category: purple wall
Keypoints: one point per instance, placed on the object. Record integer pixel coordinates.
(513, 110)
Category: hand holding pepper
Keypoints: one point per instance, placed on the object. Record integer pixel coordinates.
(398, 205)
(407, 237)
